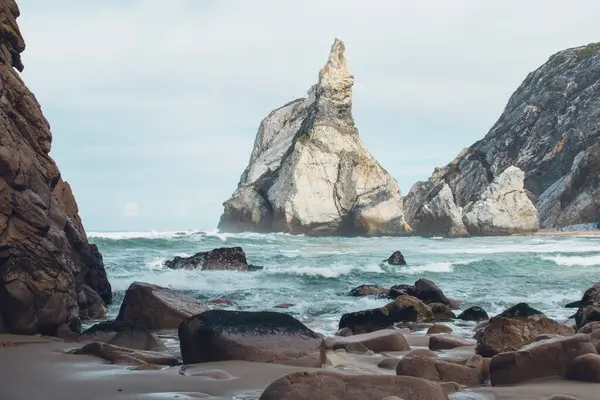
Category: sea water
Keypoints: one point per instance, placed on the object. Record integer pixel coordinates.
(314, 274)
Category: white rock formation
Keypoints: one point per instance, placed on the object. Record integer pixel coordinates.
(311, 173)
(503, 207)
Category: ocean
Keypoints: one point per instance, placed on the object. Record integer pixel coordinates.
(315, 274)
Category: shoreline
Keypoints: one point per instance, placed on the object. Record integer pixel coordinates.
(562, 233)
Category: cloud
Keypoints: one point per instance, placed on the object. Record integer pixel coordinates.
(130, 209)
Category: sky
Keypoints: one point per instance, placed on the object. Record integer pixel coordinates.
(154, 104)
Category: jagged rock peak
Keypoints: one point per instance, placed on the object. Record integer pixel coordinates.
(12, 43)
(335, 80)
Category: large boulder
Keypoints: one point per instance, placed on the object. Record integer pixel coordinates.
(585, 368)
(224, 258)
(45, 256)
(476, 314)
(379, 341)
(266, 337)
(123, 334)
(428, 292)
(435, 369)
(156, 307)
(503, 334)
(310, 173)
(541, 359)
(329, 385)
(397, 258)
(403, 309)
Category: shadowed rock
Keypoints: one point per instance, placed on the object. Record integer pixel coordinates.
(123, 334)
(121, 355)
(520, 310)
(397, 258)
(445, 343)
(441, 312)
(585, 368)
(473, 314)
(438, 329)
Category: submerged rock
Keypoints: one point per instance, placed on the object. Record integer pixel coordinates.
(473, 314)
(367, 290)
(46, 257)
(266, 337)
(225, 258)
(310, 173)
(397, 258)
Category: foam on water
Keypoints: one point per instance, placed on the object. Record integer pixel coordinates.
(572, 261)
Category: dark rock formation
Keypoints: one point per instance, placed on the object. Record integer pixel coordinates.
(367, 290)
(156, 307)
(549, 129)
(397, 258)
(520, 310)
(225, 258)
(425, 290)
(267, 337)
(45, 257)
(473, 314)
(441, 312)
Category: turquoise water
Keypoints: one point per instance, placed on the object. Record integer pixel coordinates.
(314, 273)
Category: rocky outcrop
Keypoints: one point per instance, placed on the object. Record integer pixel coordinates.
(45, 257)
(224, 258)
(549, 130)
(397, 258)
(311, 173)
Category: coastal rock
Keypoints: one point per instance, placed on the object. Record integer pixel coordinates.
(310, 172)
(122, 334)
(585, 368)
(428, 292)
(329, 385)
(539, 360)
(587, 314)
(435, 369)
(438, 329)
(438, 342)
(225, 258)
(397, 258)
(156, 307)
(378, 342)
(122, 355)
(473, 314)
(548, 130)
(267, 337)
(45, 256)
(520, 310)
(367, 290)
(503, 334)
(441, 312)
(403, 309)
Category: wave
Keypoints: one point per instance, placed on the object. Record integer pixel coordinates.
(436, 267)
(330, 271)
(572, 261)
(555, 247)
(223, 236)
(139, 235)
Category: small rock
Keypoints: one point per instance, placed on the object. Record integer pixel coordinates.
(225, 258)
(446, 343)
(587, 314)
(562, 397)
(123, 334)
(367, 290)
(451, 387)
(474, 314)
(422, 353)
(216, 374)
(397, 258)
(389, 363)
(439, 329)
(284, 305)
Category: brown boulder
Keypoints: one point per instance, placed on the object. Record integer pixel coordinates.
(589, 327)
(438, 329)
(379, 341)
(438, 342)
(329, 385)
(473, 314)
(586, 314)
(45, 255)
(267, 337)
(585, 368)
(344, 332)
(225, 258)
(367, 290)
(441, 312)
(510, 334)
(121, 355)
(428, 292)
(123, 334)
(404, 308)
(435, 369)
(538, 360)
(388, 363)
(156, 307)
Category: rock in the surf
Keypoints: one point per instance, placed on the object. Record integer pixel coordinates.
(539, 360)
(585, 368)
(403, 309)
(224, 258)
(435, 369)
(397, 258)
(428, 292)
(156, 307)
(473, 314)
(367, 290)
(45, 255)
(267, 337)
(520, 310)
(122, 355)
(435, 329)
(328, 385)
(590, 296)
(379, 341)
(310, 173)
(123, 334)
(441, 312)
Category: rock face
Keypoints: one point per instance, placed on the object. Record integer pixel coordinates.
(549, 130)
(311, 173)
(45, 258)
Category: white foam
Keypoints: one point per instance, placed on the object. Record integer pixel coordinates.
(554, 247)
(331, 271)
(138, 235)
(438, 267)
(571, 261)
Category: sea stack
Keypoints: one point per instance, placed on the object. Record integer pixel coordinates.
(49, 273)
(543, 153)
(310, 173)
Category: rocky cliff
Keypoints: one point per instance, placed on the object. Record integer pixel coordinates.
(310, 172)
(50, 275)
(550, 129)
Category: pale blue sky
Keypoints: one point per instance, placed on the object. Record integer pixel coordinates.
(154, 105)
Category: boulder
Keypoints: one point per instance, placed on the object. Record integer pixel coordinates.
(502, 334)
(435, 369)
(122, 355)
(473, 314)
(91, 305)
(46, 258)
(397, 258)
(404, 308)
(520, 310)
(379, 341)
(123, 334)
(437, 342)
(441, 312)
(388, 363)
(400, 290)
(367, 290)
(225, 258)
(539, 360)
(587, 314)
(589, 327)
(329, 385)
(268, 337)
(156, 307)
(438, 329)
(585, 368)
(344, 332)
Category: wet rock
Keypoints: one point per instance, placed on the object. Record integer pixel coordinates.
(520, 310)
(122, 355)
(438, 329)
(539, 360)
(388, 363)
(329, 385)
(284, 305)
(562, 397)
(123, 334)
(367, 290)
(454, 304)
(474, 314)
(435, 369)
(156, 307)
(441, 312)
(422, 353)
(510, 334)
(585, 368)
(437, 342)
(404, 308)
(268, 337)
(428, 292)
(344, 332)
(397, 258)
(216, 374)
(224, 258)
(91, 305)
(574, 304)
(587, 314)
(400, 290)
(221, 302)
(379, 341)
